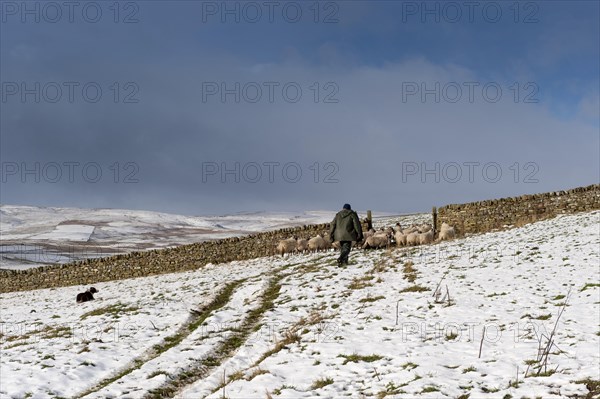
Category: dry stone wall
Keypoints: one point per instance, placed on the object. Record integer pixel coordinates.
(490, 215)
(475, 217)
(147, 263)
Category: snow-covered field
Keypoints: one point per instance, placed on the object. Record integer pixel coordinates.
(301, 327)
(35, 236)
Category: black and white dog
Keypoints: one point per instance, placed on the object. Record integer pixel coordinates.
(86, 296)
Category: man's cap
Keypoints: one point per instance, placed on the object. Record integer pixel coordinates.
(347, 206)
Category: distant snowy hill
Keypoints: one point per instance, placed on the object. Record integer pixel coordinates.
(34, 236)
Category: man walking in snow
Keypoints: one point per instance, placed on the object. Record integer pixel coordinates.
(345, 228)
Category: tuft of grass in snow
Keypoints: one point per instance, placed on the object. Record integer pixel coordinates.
(278, 391)
(410, 273)
(544, 317)
(379, 267)
(46, 332)
(593, 386)
(489, 390)
(321, 382)
(359, 283)
(451, 336)
(113, 310)
(390, 389)
(409, 366)
(255, 373)
(589, 285)
(355, 358)
(371, 299)
(157, 373)
(414, 288)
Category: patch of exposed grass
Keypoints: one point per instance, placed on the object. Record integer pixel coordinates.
(593, 386)
(157, 373)
(355, 358)
(115, 311)
(379, 267)
(371, 299)
(409, 366)
(359, 283)
(469, 369)
(489, 390)
(277, 391)
(543, 317)
(321, 382)
(256, 372)
(289, 338)
(410, 273)
(390, 389)
(39, 331)
(544, 374)
(86, 363)
(414, 288)
(589, 285)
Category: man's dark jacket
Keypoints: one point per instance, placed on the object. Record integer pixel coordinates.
(345, 227)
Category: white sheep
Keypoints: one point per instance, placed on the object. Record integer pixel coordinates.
(377, 241)
(398, 228)
(301, 245)
(317, 243)
(387, 233)
(400, 239)
(447, 232)
(412, 238)
(329, 244)
(425, 227)
(426, 238)
(408, 230)
(286, 246)
(369, 233)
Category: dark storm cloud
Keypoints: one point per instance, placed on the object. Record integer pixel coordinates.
(354, 134)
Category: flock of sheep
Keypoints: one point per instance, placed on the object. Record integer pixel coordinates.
(301, 245)
(383, 238)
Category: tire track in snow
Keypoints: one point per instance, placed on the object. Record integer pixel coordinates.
(193, 322)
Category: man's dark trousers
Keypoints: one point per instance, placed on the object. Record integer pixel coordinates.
(345, 247)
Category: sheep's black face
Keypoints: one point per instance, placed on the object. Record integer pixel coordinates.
(93, 290)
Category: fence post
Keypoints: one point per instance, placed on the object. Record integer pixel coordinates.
(434, 215)
(369, 220)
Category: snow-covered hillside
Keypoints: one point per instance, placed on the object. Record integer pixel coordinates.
(34, 236)
(301, 327)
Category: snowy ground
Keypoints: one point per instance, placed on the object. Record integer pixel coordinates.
(300, 327)
(35, 236)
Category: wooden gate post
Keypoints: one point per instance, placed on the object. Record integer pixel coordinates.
(434, 216)
(369, 220)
